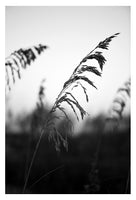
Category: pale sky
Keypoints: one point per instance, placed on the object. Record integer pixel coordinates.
(71, 33)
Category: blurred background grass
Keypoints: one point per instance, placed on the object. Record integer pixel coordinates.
(80, 170)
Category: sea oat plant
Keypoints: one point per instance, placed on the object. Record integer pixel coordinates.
(119, 103)
(115, 115)
(41, 111)
(76, 80)
(37, 118)
(66, 96)
(19, 60)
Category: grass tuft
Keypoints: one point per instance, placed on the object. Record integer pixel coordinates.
(66, 96)
(119, 102)
(19, 60)
(77, 79)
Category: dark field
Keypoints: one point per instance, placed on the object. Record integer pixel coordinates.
(95, 163)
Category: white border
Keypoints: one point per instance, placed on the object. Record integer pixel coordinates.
(2, 89)
(67, 3)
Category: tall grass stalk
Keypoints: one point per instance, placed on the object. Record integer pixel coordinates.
(36, 120)
(66, 96)
(119, 103)
(19, 60)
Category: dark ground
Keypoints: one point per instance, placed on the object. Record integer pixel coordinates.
(79, 171)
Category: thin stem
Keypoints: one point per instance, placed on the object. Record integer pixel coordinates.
(34, 154)
(50, 172)
(83, 59)
(90, 53)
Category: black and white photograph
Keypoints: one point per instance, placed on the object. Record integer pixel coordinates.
(67, 100)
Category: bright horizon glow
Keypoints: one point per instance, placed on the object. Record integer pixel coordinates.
(70, 33)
